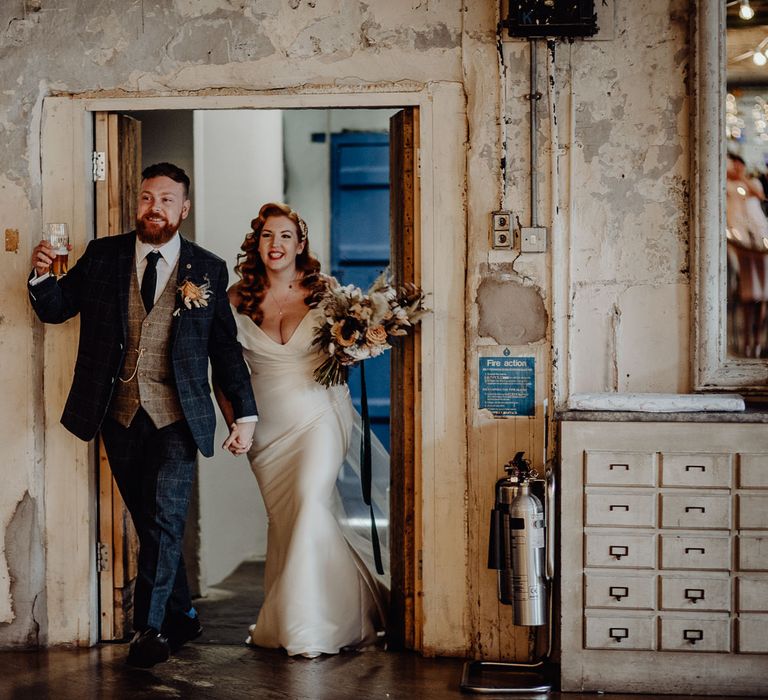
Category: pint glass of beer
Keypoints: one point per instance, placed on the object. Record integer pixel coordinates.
(58, 236)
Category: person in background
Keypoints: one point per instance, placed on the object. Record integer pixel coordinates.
(747, 238)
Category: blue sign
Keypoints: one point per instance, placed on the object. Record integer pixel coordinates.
(507, 385)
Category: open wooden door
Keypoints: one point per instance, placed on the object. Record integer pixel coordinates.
(405, 620)
(118, 137)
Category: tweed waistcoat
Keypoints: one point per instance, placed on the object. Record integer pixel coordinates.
(146, 379)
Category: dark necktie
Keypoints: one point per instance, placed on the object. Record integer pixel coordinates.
(149, 281)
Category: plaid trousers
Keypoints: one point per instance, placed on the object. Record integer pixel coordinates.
(154, 470)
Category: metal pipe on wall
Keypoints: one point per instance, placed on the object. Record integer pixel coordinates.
(534, 97)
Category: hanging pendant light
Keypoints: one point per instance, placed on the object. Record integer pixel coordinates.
(745, 11)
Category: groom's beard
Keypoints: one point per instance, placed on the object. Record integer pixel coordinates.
(156, 233)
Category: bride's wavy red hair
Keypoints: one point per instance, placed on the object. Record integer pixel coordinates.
(253, 274)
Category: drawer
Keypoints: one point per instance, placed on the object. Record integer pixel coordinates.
(621, 551)
(753, 553)
(753, 471)
(695, 593)
(619, 468)
(619, 591)
(696, 512)
(620, 633)
(753, 512)
(621, 509)
(752, 634)
(703, 470)
(753, 595)
(688, 552)
(701, 633)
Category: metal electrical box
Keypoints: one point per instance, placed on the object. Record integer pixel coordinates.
(533, 239)
(535, 19)
(503, 235)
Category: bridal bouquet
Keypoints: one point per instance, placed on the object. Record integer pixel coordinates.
(360, 325)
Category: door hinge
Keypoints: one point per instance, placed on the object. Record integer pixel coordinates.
(418, 377)
(418, 162)
(99, 163)
(102, 557)
(419, 566)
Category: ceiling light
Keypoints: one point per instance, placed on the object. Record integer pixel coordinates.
(746, 11)
(759, 58)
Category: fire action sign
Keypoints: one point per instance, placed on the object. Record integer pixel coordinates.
(507, 385)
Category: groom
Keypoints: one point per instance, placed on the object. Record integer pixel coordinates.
(153, 311)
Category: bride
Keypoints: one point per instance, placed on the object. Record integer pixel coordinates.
(319, 596)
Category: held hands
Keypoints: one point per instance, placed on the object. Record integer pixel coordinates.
(240, 438)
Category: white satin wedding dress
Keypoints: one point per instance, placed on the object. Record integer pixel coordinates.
(319, 596)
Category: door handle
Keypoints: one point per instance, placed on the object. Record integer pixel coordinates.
(618, 633)
(618, 551)
(618, 592)
(693, 636)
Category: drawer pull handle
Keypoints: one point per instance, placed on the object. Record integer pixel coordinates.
(700, 550)
(694, 594)
(618, 592)
(690, 509)
(619, 507)
(691, 467)
(693, 636)
(611, 467)
(618, 551)
(618, 633)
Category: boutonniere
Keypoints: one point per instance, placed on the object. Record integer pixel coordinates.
(193, 294)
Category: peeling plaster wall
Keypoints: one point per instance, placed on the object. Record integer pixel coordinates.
(616, 193)
(613, 161)
(630, 206)
(510, 312)
(26, 594)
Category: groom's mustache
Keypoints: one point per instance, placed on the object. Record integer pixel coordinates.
(155, 232)
(150, 215)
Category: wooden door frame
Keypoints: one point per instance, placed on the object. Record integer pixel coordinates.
(115, 199)
(441, 607)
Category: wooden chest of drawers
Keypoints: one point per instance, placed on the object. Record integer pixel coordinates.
(664, 557)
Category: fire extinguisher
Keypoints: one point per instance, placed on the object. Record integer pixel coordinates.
(517, 543)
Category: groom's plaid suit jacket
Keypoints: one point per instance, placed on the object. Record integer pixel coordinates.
(97, 288)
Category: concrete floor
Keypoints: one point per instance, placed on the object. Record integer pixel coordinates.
(231, 606)
(220, 666)
(224, 671)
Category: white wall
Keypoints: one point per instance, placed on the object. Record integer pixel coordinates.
(308, 165)
(238, 167)
(166, 136)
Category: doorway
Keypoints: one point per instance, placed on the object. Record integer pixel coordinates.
(315, 160)
(436, 601)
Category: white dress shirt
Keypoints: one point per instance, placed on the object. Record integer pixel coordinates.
(169, 255)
